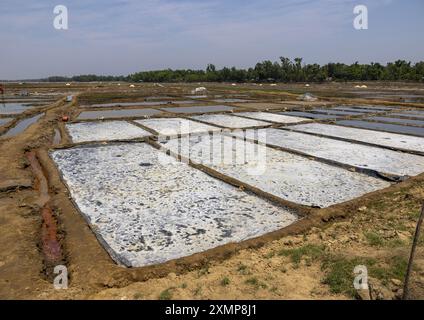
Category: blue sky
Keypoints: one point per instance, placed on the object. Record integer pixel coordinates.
(125, 36)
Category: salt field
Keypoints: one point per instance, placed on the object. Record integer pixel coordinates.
(229, 121)
(175, 126)
(291, 177)
(113, 114)
(272, 117)
(386, 139)
(146, 211)
(356, 155)
(388, 127)
(104, 131)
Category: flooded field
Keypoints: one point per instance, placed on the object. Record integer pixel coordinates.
(409, 114)
(110, 114)
(338, 112)
(22, 126)
(311, 115)
(4, 121)
(271, 117)
(150, 102)
(229, 121)
(360, 110)
(383, 127)
(14, 108)
(199, 109)
(398, 120)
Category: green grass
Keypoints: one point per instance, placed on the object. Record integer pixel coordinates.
(256, 283)
(197, 291)
(252, 281)
(242, 269)
(166, 294)
(225, 281)
(374, 239)
(313, 252)
(203, 271)
(339, 273)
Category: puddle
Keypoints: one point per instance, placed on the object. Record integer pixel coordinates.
(358, 111)
(146, 208)
(230, 100)
(397, 120)
(229, 121)
(3, 121)
(409, 114)
(197, 97)
(393, 140)
(338, 112)
(126, 104)
(261, 106)
(395, 128)
(104, 131)
(419, 112)
(158, 98)
(356, 155)
(273, 117)
(287, 176)
(199, 109)
(140, 103)
(14, 108)
(310, 115)
(175, 126)
(22, 125)
(128, 113)
(57, 138)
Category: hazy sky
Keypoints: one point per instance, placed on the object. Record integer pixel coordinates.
(126, 36)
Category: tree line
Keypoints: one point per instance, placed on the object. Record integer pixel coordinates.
(284, 70)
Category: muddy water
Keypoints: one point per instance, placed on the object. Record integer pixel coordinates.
(126, 104)
(57, 138)
(199, 109)
(5, 120)
(338, 112)
(13, 108)
(129, 113)
(397, 120)
(197, 97)
(22, 125)
(359, 111)
(310, 115)
(383, 126)
(140, 103)
(408, 115)
(230, 100)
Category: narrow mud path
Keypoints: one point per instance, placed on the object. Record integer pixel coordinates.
(50, 244)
